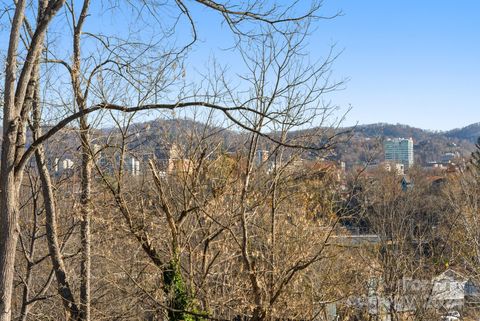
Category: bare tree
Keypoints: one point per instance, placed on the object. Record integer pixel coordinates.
(462, 193)
(15, 154)
(14, 126)
(408, 221)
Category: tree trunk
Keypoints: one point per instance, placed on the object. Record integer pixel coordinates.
(27, 287)
(64, 288)
(14, 96)
(86, 169)
(8, 188)
(85, 225)
(8, 230)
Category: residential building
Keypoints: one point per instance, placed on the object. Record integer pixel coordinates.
(449, 291)
(399, 150)
(62, 165)
(452, 290)
(389, 166)
(262, 156)
(448, 158)
(406, 183)
(132, 165)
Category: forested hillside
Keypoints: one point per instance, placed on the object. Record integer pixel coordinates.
(363, 143)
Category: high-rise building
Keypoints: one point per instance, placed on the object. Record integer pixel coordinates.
(399, 150)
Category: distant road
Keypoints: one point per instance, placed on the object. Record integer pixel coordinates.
(354, 239)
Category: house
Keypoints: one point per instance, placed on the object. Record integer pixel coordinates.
(388, 166)
(449, 291)
(453, 291)
(63, 166)
(169, 159)
(406, 183)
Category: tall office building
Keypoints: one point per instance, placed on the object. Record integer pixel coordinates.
(399, 150)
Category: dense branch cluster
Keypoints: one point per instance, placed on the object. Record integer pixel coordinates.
(226, 205)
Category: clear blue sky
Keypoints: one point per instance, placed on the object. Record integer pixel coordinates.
(411, 62)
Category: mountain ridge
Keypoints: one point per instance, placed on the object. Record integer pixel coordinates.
(364, 145)
(470, 132)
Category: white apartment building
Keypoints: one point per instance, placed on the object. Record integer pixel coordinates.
(399, 150)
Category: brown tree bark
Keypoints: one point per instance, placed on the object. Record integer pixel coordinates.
(63, 285)
(8, 188)
(14, 97)
(86, 168)
(64, 289)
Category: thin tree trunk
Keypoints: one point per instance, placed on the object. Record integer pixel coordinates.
(64, 289)
(86, 169)
(56, 257)
(30, 255)
(85, 200)
(8, 188)
(259, 311)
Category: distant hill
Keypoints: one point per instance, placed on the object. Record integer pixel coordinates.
(366, 143)
(392, 131)
(470, 132)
